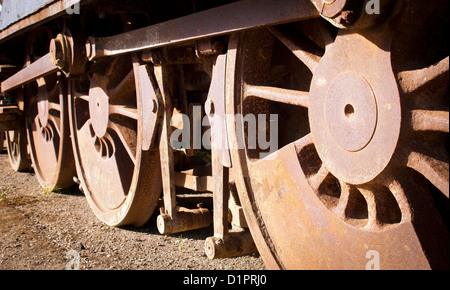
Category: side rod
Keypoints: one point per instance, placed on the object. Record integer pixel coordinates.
(40, 68)
(221, 20)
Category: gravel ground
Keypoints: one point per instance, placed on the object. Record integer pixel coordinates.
(50, 231)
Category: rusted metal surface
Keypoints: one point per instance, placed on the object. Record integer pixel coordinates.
(353, 14)
(13, 133)
(38, 69)
(184, 220)
(150, 105)
(343, 186)
(218, 21)
(16, 144)
(48, 132)
(364, 122)
(234, 244)
(329, 8)
(121, 181)
(195, 183)
(165, 148)
(215, 110)
(352, 129)
(174, 219)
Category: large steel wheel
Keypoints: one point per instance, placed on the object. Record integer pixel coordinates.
(121, 181)
(363, 165)
(48, 132)
(46, 120)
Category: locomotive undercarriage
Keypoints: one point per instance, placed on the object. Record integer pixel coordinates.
(358, 103)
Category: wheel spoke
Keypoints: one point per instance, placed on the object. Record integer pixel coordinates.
(55, 122)
(304, 142)
(54, 106)
(318, 31)
(319, 178)
(44, 151)
(436, 171)
(112, 192)
(125, 86)
(123, 111)
(397, 189)
(81, 96)
(435, 76)
(340, 209)
(301, 46)
(369, 194)
(123, 140)
(292, 97)
(426, 120)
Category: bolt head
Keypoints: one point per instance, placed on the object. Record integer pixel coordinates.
(56, 50)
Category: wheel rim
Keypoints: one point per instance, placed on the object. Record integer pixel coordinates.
(48, 132)
(304, 208)
(16, 145)
(121, 181)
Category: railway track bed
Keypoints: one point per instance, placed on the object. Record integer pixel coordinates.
(38, 230)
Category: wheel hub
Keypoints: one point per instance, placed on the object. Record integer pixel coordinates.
(355, 112)
(99, 106)
(351, 112)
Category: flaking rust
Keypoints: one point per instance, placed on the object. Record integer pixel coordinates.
(355, 100)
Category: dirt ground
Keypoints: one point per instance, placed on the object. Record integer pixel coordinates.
(52, 231)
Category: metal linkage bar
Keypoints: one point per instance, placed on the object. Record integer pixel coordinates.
(40, 68)
(173, 219)
(218, 21)
(226, 242)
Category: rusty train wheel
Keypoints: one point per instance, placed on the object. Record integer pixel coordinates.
(363, 164)
(121, 181)
(48, 132)
(46, 120)
(16, 145)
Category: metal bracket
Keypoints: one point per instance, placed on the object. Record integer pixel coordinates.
(225, 242)
(173, 219)
(215, 109)
(151, 103)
